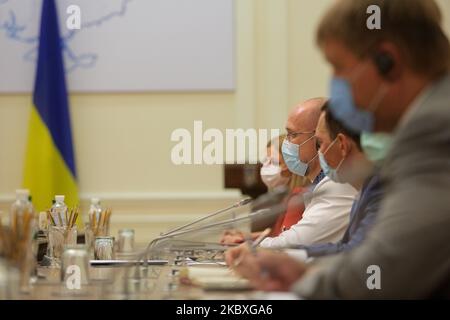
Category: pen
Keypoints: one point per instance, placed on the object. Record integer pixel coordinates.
(253, 245)
(261, 237)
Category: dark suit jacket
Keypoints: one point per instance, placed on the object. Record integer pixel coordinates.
(362, 217)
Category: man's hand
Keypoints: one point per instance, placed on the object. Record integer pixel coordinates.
(232, 237)
(269, 271)
(236, 254)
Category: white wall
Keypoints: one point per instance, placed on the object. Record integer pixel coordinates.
(122, 141)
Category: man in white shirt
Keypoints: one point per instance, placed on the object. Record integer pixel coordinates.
(328, 204)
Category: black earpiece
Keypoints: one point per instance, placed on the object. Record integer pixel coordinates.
(384, 63)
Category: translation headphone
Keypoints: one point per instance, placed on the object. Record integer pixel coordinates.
(384, 63)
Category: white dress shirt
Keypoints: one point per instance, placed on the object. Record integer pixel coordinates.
(298, 254)
(325, 219)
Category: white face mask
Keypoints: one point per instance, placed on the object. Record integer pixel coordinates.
(271, 176)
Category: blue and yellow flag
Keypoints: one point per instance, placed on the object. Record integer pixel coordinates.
(49, 163)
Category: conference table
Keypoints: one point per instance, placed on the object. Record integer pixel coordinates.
(154, 282)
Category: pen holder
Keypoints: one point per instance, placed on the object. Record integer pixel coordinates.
(91, 233)
(58, 238)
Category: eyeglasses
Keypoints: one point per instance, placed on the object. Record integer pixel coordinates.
(293, 135)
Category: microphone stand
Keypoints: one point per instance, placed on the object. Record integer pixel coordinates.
(263, 201)
(152, 246)
(238, 204)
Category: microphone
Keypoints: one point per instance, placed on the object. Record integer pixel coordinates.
(259, 217)
(238, 204)
(270, 206)
(268, 213)
(266, 208)
(271, 198)
(206, 227)
(152, 246)
(243, 202)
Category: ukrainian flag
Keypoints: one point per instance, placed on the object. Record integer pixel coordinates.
(49, 163)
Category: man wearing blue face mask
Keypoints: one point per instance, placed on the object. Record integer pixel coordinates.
(343, 161)
(328, 204)
(394, 80)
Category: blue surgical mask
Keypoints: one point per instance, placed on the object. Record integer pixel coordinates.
(291, 155)
(343, 107)
(342, 104)
(327, 170)
(376, 145)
